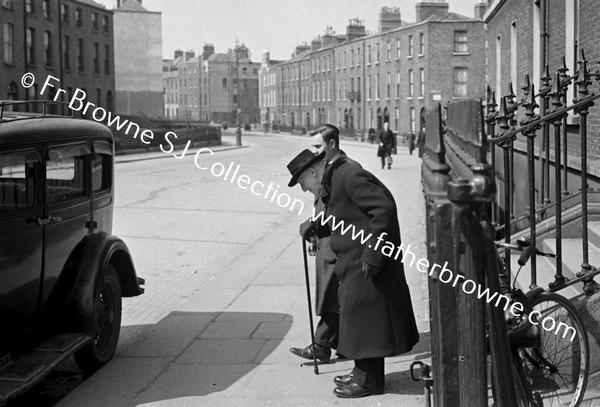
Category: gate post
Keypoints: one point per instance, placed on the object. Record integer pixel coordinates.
(442, 297)
(459, 191)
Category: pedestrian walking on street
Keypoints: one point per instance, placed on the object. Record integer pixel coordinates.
(307, 170)
(386, 143)
(411, 142)
(376, 314)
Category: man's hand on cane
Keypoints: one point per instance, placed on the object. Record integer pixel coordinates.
(308, 230)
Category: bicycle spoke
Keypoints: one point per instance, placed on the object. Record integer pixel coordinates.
(558, 368)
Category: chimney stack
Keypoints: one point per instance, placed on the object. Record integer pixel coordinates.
(355, 29)
(189, 54)
(315, 44)
(207, 50)
(389, 18)
(301, 48)
(480, 9)
(426, 9)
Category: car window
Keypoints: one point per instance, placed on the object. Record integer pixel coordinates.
(17, 180)
(101, 172)
(101, 167)
(65, 173)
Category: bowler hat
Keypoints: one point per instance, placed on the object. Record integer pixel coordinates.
(301, 163)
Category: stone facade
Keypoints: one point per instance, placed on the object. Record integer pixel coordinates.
(229, 88)
(138, 60)
(70, 40)
(358, 81)
(181, 84)
(205, 87)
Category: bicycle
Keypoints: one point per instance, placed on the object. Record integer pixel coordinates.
(550, 370)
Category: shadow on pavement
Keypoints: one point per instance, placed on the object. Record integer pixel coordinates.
(206, 352)
(186, 354)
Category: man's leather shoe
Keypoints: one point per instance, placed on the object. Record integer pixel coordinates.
(322, 353)
(343, 379)
(354, 390)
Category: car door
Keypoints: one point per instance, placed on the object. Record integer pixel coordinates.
(67, 209)
(20, 241)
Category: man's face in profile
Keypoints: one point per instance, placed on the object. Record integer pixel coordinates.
(318, 144)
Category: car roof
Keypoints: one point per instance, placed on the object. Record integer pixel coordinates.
(22, 128)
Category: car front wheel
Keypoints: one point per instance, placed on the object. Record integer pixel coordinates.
(106, 327)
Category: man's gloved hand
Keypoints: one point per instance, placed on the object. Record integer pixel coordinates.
(369, 270)
(307, 230)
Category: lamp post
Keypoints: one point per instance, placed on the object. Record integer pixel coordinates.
(238, 131)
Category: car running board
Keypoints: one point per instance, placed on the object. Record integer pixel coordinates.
(31, 367)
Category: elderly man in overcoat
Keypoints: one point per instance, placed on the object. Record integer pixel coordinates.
(307, 170)
(376, 314)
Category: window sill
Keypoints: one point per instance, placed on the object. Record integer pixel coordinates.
(421, 97)
(459, 97)
(421, 55)
(461, 54)
(409, 98)
(409, 57)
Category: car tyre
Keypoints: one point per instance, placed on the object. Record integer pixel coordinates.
(106, 324)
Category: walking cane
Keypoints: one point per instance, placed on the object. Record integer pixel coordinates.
(310, 318)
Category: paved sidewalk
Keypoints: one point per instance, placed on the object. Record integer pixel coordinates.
(128, 156)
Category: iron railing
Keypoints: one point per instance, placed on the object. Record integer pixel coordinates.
(537, 128)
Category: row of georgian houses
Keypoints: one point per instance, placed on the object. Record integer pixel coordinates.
(358, 81)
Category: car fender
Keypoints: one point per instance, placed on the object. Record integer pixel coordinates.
(100, 250)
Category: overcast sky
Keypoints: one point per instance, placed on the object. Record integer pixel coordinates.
(273, 25)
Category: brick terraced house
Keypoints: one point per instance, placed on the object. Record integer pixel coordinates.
(359, 80)
(71, 40)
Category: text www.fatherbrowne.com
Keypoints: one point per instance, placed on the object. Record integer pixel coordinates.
(446, 275)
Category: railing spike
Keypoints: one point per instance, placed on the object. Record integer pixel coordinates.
(563, 70)
(526, 86)
(546, 78)
(583, 79)
(511, 93)
(557, 94)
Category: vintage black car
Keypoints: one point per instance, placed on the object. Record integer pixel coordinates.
(62, 273)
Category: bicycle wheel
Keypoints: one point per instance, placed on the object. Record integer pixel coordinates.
(526, 396)
(558, 369)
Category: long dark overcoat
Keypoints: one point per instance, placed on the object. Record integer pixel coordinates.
(326, 280)
(376, 317)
